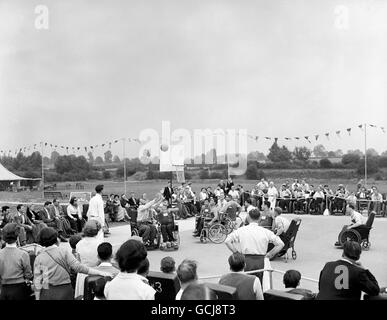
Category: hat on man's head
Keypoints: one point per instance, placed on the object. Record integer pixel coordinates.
(91, 228)
(11, 232)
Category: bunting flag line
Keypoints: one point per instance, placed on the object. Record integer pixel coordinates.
(130, 139)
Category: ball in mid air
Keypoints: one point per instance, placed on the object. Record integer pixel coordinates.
(164, 147)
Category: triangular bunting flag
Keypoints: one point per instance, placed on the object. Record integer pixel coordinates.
(384, 131)
(349, 131)
(360, 127)
(327, 135)
(338, 133)
(288, 138)
(307, 139)
(297, 138)
(267, 138)
(316, 136)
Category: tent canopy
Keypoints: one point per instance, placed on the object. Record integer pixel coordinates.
(6, 175)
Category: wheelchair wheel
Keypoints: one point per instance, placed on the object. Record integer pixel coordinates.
(217, 233)
(349, 235)
(177, 238)
(134, 232)
(294, 254)
(229, 225)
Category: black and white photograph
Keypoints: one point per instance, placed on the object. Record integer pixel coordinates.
(179, 150)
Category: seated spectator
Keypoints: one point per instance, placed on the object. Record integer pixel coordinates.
(266, 219)
(128, 285)
(292, 281)
(196, 291)
(248, 286)
(51, 220)
(74, 215)
(281, 224)
(87, 250)
(15, 266)
(105, 256)
(57, 212)
(143, 270)
(26, 233)
(53, 266)
(346, 278)
(167, 265)
(4, 216)
(186, 272)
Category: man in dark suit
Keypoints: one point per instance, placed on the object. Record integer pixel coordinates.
(346, 279)
(51, 220)
(19, 217)
(168, 192)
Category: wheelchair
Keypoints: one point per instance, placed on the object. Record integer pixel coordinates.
(360, 234)
(218, 232)
(289, 239)
(175, 234)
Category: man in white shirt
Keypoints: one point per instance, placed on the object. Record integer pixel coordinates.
(128, 285)
(357, 220)
(145, 225)
(272, 193)
(96, 210)
(262, 185)
(281, 224)
(234, 193)
(377, 200)
(252, 241)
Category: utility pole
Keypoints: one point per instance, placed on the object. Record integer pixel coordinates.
(365, 155)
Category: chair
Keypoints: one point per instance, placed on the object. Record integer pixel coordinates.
(89, 286)
(167, 285)
(290, 238)
(281, 295)
(223, 292)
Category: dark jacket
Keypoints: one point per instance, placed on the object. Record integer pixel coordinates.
(167, 193)
(342, 280)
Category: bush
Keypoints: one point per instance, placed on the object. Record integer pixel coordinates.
(379, 177)
(216, 175)
(372, 166)
(187, 176)
(252, 172)
(204, 174)
(351, 160)
(106, 175)
(325, 163)
(383, 162)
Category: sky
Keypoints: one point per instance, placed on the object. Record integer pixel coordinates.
(105, 70)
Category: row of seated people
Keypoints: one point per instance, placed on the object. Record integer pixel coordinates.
(127, 277)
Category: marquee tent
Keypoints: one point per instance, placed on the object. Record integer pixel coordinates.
(6, 175)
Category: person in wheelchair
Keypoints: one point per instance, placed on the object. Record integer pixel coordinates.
(165, 216)
(146, 228)
(205, 215)
(357, 221)
(281, 224)
(300, 200)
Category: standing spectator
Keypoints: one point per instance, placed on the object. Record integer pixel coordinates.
(128, 285)
(167, 193)
(167, 265)
(52, 269)
(248, 286)
(74, 215)
(272, 193)
(346, 278)
(186, 273)
(87, 250)
(229, 184)
(15, 266)
(376, 200)
(96, 210)
(292, 281)
(252, 241)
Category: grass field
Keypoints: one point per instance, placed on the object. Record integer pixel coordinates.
(151, 187)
